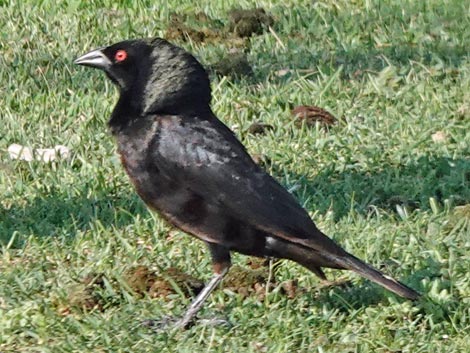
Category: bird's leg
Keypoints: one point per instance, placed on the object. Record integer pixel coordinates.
(197, 303)
(221, 264)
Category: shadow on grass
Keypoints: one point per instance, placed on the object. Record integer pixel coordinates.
(410, 185)
(406, 185)
(354, 298)
(375, 40)
(366, 293)
(357, 62)
(58, 213)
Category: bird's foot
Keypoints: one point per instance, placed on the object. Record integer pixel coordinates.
(166, 323)
(169, 323)
(215, 321)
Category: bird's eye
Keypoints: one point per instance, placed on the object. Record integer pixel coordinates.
(120, 55)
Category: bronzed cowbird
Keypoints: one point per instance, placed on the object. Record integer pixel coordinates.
(190, 168)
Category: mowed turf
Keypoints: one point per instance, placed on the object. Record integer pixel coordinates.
(390, 181)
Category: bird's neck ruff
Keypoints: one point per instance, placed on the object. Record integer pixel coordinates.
(172, 83)
(124, 112)
(128, 110)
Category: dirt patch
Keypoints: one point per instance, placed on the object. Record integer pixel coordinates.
(97, 292)
(235, 36)
(84, 296)
(234, 66)
(254, 280)
(258, 128)
(290, 288)
(143, 281)
(247, 282)
(256, 263)
(201, 28)
(197, 28)
(245, 23)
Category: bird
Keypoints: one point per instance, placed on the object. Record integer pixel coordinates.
(189, 167)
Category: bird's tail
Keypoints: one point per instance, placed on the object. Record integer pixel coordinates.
(333, 256)
(352, 263)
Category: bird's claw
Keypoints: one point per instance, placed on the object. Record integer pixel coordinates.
(164, 324)
(215, 321)
(168, 323)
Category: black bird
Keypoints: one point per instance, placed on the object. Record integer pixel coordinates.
(188, 166)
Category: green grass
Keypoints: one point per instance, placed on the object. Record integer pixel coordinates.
(393, 72)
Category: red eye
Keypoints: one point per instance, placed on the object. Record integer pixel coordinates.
(120, 55)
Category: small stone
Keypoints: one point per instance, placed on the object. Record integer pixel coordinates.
(439, 137)
(28, 154)
(282, 72)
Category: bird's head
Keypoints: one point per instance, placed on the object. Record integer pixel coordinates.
(153, 75)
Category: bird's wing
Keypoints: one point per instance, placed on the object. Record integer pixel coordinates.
(214, 164)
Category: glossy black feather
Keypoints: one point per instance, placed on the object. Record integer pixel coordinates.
(187, 165)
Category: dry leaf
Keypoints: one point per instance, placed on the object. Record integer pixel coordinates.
(311, 115)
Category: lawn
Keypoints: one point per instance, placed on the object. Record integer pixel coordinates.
(83, 262)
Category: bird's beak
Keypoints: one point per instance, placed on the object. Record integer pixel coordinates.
(95, 58)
